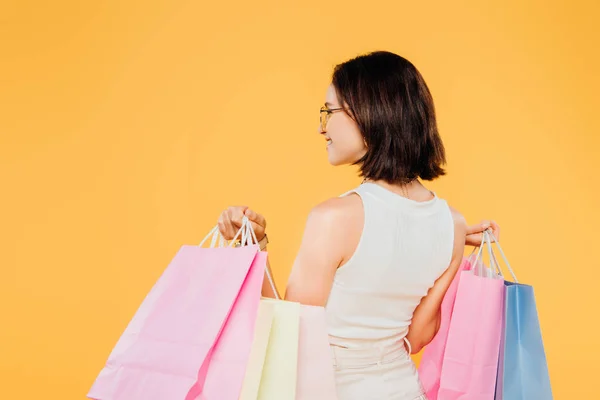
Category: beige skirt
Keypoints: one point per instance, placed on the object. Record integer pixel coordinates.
(374, 373)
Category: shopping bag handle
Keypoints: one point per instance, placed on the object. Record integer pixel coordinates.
(486, 240)
(512, 273)
(248, 238)
(215, 236)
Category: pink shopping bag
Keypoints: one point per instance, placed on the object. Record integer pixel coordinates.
(470, 362)
(226, 367)
(316, 376)
(165, 351)
(430, 368)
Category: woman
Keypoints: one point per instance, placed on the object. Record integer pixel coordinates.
(380, 257)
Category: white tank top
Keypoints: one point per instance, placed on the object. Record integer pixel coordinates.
(404, 247)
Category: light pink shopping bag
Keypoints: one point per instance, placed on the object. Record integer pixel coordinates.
(226, 368)
(470, 361)
(164, 350)
(316, 376)
(430, 368)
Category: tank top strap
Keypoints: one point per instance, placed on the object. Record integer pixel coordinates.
(351, 191)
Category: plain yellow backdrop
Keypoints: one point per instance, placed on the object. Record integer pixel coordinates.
(127, 126)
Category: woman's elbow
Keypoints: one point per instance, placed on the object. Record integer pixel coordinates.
(418, 340)
(418, 345)
(414, 343)
(415, 349)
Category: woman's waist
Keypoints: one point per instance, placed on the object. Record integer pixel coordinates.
(367, 336)
(370, 353)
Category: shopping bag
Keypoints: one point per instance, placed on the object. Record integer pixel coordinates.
(225, 368)
(522, 367)
(470, 361)
(316, 375)
(430, 367)
(223, 371)
(258, 352)
(278, 376)
(165, 350)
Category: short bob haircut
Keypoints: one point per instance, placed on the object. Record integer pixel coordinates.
(389, 100)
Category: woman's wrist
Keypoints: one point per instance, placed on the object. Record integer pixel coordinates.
(262, 243)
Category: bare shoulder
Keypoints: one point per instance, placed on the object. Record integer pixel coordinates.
(338, 208)
(339, 223)
(338, 212)
(460, 233)
(459, 219)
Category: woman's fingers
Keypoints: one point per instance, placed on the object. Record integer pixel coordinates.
(475, 232)
(237, 216)
(255, 217)
(474, 239)
(232, 218)
(495, 230)
(258, 223)
(226, 227)
(479, 228)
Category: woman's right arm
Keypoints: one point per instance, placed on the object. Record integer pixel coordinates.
(426, 318)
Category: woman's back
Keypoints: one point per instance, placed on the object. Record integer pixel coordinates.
(400, 255)
(404, 247)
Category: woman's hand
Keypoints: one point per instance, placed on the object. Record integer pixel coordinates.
(230, 222)
(475, 232)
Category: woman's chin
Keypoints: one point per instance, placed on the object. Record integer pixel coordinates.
(335, 161)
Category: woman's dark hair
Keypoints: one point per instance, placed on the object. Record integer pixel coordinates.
(389, 100)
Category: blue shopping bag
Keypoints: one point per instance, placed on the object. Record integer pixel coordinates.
(522, 370)
(522, 366)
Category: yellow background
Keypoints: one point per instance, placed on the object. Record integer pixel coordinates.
(126, 126)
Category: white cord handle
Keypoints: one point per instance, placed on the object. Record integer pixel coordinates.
(485, 240)
(251, 235)
(215, 235)
(512, 273)
(488, 236)
(248, 238)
